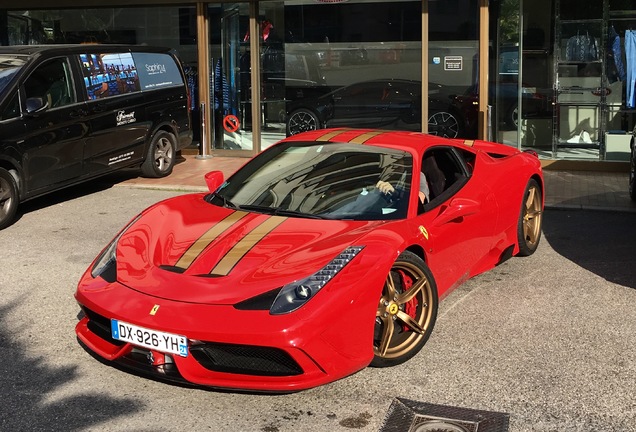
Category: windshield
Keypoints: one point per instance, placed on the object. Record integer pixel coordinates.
(326, 180)
(9, 66)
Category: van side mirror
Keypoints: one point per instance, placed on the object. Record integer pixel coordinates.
(36, 105)
(213, 180)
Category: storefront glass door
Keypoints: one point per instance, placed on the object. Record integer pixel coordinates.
(521, 74)
(230, 77)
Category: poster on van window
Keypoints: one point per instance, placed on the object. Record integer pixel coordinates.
(156, 70)
(109, 74)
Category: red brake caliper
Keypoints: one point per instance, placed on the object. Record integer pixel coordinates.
(410, 307)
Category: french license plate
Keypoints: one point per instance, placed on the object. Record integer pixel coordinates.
(152, 339)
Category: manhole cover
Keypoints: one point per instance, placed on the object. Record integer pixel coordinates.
(406, 415)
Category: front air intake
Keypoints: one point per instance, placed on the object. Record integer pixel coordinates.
(245, 359)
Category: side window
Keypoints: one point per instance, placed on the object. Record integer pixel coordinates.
(12, 110)
(445, 173)
(51, 81)
(157, 70)
(109, 74)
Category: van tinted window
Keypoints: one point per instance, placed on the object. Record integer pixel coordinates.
(12, 110)
(109, 74)
(51, 81)
(157, 70)
(9, 66)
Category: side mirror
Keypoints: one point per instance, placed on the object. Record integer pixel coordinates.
(213, 180)
(35, 105)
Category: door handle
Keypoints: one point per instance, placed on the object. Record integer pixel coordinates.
(97, 108)
(78, 113)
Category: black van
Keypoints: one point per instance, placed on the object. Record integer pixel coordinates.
(69, 113)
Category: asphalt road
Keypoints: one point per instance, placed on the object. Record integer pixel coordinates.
(548, 339)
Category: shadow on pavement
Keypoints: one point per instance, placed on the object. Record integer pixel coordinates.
(29, 384)
(92, 186)
(601, 242)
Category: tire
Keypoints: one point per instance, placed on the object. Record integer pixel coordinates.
(302, 120)
(531, 216)
(632, 172)
(161, 155)
(9, 198)
(406, 312)
(512, 119)
(444, 124)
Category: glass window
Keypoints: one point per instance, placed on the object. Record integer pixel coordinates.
(328, 180)
(157, 70)
(12, 110)
(109, 74)
(51, 81)
(577, 9)
(9, 66)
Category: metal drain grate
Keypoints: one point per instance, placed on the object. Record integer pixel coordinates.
(406, 415)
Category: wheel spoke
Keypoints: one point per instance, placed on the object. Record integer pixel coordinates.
(163, 154)
(530, 199)
(529, 232)
(407, 296)
(390, 287)
(387, 334)
(410, 322)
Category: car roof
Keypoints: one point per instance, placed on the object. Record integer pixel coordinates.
(413, 142)
(77, 48)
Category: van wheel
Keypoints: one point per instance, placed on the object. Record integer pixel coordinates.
(8, 198)
(161, 155)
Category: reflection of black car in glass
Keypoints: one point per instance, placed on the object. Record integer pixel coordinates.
(387, 103)
(535, 103)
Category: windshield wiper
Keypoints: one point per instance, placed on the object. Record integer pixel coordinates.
(279, 211)
(257, 208)
(226, 202)
(294, 213)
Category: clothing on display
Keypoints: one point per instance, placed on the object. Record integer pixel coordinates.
(582, 47)
(221, 89)
(615, 65)
(630, 81)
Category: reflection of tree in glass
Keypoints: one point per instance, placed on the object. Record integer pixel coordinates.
(509, 22)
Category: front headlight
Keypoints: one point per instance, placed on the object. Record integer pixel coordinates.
(106, 263)
(294, 295)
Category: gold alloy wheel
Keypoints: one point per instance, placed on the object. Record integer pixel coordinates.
(532, 215)
(404, 313)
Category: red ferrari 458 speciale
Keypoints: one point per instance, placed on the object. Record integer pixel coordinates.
(326, 253)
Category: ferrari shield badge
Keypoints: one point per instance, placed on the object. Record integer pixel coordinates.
(154, 309)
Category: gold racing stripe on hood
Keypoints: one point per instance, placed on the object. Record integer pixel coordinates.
(197, 247)
(239, 250)
(361, 139)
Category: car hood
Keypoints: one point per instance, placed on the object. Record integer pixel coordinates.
(186, 249)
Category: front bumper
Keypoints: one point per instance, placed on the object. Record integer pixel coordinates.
(229, 348)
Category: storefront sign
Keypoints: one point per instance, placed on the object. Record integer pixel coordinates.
(453, 63)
